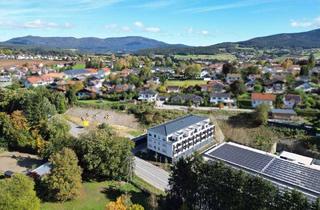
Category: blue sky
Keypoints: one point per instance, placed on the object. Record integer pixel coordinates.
(192, 22)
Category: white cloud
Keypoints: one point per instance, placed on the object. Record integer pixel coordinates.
(152, 29)
(190, 30)
(35, 24)
(204, 32)
(234, 5)
(111, 26)
(138, 24)
(314, 23)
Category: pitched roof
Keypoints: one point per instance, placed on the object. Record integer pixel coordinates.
(36, 79)
(293, 97)
(149, 92)
(263, 96)
(177, 124)
(283, 111)
(221, 95)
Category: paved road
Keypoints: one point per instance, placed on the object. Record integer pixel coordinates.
(155, 176)
(184, 108)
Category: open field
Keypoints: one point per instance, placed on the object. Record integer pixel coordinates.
(95, 195)
(123, 124)
(18, 162)
(8, 63)
(220, 57)
(184, 83)
(79, 66)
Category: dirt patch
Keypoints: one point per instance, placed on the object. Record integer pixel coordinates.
(124, 124)
(97, 116)
(9, 63)
(18, 162)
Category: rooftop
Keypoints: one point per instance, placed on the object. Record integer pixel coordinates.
(283, 111)
(263, 96)
(280, 171)
(175, 125)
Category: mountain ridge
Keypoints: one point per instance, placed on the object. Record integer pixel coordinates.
(305, 40)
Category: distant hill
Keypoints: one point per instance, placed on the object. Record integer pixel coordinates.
(305, 40)
(90, 44)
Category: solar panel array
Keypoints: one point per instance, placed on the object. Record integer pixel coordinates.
(273, 168)
(243, 157)
(295, 174)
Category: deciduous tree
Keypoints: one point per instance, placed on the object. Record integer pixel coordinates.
(18, 193)
(64, 181)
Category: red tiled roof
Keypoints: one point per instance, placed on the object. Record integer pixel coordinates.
(263, 97)
(36, 79)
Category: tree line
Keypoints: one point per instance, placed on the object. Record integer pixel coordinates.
(196, 184)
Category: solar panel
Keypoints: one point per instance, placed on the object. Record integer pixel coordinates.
(283, 173)
(294, 174)
(242, 157)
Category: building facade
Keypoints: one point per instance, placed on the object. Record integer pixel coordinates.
(180, 137)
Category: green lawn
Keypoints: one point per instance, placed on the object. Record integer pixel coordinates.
(219, 56)
(95, 195)
(185, 83)
(79, 66)
(102, 104)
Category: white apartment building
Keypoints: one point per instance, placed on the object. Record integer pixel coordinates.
(180, 137)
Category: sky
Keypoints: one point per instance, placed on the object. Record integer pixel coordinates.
(190, 22)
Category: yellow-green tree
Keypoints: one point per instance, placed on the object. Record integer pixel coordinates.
(64, 181)
(18, 193)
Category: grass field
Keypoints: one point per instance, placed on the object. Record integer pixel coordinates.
(220, 57)
(95, 195)
(79, 66)
(184, 83)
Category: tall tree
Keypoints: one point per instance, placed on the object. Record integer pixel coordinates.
(192, 71)
(18, 193)
(103, 155)
(261, 114)
(64, 181)
(238, 87)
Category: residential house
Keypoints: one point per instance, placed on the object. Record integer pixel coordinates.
(294, 70)
(180, 137)
(75, 73)
(35, 81)
(305, 87)
(88, 93)
(275, 86)
(173, 89)
(121, 88)
(291, 100)
(213, 86)
(182, 99)
(231, 78)
(148, 95)
(262, 98)
(283, 114)
(222, 98)
(5, 80)
(124, 73)
(154, 80)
